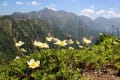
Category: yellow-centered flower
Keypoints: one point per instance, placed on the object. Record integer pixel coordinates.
(87, 41)
(77, 42)
(17, 57)
(40, 44)
(37, 43)
(70, 41)
(114, 42)
(80, 46)
(49, 39)
(61, 43)
(44, 45)
(56, 39)
(100, 34)
(33, 64)
(19, 43)
(23, 50)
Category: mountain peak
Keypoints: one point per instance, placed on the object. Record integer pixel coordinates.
(47, 9)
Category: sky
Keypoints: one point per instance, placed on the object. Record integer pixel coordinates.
(90, 8)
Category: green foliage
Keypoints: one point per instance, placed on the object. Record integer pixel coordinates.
(63, 64)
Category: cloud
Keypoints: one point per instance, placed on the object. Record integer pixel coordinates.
(5, 4)
(112, 13)
(100, 12)
(52, 7)
(33, 3)
(87, 12)
(19, 3)
(108, 13)
(93, 13)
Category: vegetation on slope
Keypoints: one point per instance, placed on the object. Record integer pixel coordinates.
(65, 64)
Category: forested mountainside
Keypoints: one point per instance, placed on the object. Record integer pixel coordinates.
(69, 23)
(72, 23)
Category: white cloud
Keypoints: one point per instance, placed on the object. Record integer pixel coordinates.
(19, 2)
(52, 7)
(112, 13)
(5, 4)
(108, 13)
(33, 3)
(100, 12)
(87, 12)
(93, 13)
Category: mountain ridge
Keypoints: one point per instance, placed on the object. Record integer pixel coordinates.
(67, 22)
(64, 17)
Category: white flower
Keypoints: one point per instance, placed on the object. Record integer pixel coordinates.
(87, 41)
(100, 34)
(114, 42)
(40, 44)
(49, 39)
(20, 43)
(80, 46)
(17, 57)
(23, 50)
(37, 43)
(33, 64)
(77, 42)
(70, 41)
(44, 45)
(56, 39)
(61, 43)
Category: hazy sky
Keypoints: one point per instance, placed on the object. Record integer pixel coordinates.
(91, 8)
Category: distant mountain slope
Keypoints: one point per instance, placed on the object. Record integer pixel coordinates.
(104, 24)
(70, 21)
